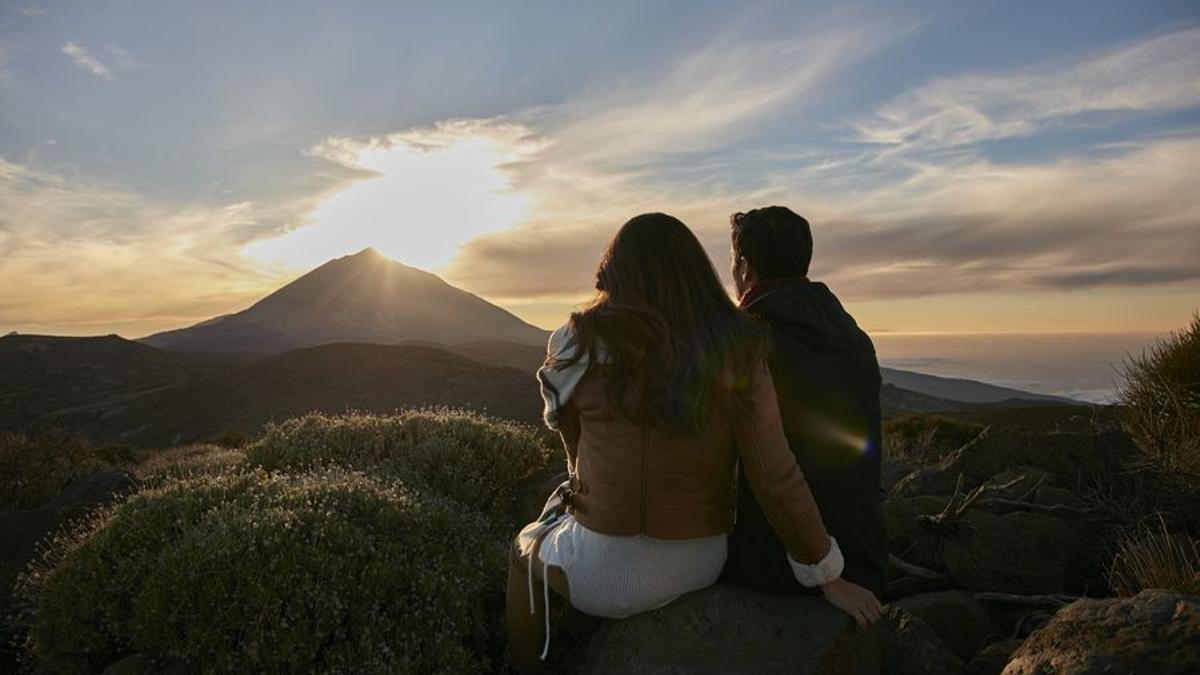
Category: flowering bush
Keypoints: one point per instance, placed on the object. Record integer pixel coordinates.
(475, 460)
(323, 571)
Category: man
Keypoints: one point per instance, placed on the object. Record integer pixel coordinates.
(827, 379)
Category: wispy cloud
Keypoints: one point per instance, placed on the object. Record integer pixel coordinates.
(80, 252)
(604, 156)
(117, 60)
(1160, 73)
(886, 226)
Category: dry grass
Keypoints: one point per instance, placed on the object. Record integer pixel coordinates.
(1160, 399)
(1155, 557)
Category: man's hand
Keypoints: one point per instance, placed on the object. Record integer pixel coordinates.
(854, 600)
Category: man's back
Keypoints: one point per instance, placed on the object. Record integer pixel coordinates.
(827, 378)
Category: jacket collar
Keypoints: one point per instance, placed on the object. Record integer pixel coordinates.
(765, 287)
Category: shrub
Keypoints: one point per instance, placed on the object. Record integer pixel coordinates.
(478, 461)
(1156, 558)
(187, 461)
(35, 467)
(328, 571)
(925, 439)
(1160, 399)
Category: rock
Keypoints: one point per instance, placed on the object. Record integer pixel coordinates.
(1013, 553)
(725, 629)
(1016, 485)
(900, 514)
(910, 647)
(1156, 631)
(1059, 497)
(1073, 458)
(22, 531)
(907, 537)
(931, 480)
(956, 616)
(992, 659)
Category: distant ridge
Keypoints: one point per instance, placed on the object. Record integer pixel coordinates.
(967, 391)
(365, 298)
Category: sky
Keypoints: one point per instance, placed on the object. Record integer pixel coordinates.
(967, 167)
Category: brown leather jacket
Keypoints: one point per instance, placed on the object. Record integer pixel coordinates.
(631, 479)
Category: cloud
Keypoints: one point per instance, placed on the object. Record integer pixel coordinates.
(118, 60)
(82, 253)
(1158, 74)
(602, 158)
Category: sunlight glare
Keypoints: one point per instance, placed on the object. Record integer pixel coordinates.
(435, 190)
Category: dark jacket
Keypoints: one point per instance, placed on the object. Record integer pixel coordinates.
(827, 379)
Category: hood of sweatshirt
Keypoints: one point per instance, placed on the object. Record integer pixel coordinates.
(808, 312)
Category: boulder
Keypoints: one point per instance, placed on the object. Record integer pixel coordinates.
(907, 536)
(957, 618)
(901, 514)
(1056, 497)
(1013, 553)
(1073, 458)
(992, 659)
(22, 531)
(931, 480)
(1020, 484)
(725, 629)
(910, 647)
(1156, 631)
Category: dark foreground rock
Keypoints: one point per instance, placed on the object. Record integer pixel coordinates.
(1156, 631)
(22, 531)
(992, 659)
(911, 647)
(957, 618)
(724, 629)
(1013, 553)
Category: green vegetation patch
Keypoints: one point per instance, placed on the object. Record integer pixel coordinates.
(478, 461)
(328, 571)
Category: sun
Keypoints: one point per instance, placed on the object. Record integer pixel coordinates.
(433, 190)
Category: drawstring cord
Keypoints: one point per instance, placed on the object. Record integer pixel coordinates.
(536, 553)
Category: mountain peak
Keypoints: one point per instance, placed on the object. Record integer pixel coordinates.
(362, 297)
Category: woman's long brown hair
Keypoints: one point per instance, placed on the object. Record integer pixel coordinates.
(678, 348)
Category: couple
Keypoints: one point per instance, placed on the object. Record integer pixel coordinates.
(661, 389)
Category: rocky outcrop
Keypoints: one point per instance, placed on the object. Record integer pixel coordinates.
(724, 629)
(1014, 553)
(931, 480)
(911, 647)
(956, 616)
(1156, 631)
(992, 659)
(22, 531)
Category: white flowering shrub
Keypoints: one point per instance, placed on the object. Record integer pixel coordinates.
(477, 461)
(327, 570)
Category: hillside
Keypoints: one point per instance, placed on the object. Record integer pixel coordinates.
(958, 389)
(363, 297)
(44, 375)
(331, 378)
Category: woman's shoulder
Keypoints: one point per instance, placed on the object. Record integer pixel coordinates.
(562, 341)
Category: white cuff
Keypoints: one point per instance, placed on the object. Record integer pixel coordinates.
(823, 572)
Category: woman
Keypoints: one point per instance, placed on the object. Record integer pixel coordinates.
(658, 388)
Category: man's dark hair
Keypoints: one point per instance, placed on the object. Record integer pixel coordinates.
(775, 240)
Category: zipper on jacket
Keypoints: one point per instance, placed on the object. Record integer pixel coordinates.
(645, 464)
